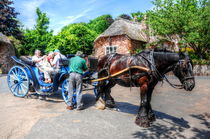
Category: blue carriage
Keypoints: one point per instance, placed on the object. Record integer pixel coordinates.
(25, 77)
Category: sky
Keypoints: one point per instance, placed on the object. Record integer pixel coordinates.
(64, 12)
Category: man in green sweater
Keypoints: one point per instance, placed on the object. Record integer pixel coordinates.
(77, 66)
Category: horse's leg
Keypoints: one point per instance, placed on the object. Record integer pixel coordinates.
(151, 87)
(109, 100)
(142, 116)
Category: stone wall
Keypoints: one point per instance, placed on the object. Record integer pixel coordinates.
(6, 51)
(198, 70)
(201, 70)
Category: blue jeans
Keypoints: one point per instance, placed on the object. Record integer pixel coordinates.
(75, 81)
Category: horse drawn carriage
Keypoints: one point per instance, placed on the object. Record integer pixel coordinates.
(25, 77)
(143, 70)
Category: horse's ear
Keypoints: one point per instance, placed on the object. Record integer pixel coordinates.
(181, 54)
(180, 50)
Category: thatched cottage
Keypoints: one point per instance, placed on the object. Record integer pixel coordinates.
(125, 37)
(6, 51)
(122, 36)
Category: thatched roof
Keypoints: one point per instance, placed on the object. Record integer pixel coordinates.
(133, 30)
(4, 39)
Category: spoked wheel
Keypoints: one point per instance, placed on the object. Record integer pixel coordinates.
(95, 89)
(65, 85)
(18, 81)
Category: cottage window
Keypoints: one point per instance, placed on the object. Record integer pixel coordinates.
(111, 49)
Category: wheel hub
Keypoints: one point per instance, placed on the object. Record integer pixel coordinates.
(16, 81)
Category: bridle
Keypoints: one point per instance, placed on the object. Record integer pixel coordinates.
(162, 77)
(190, 65)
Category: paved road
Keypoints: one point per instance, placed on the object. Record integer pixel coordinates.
(180, 114)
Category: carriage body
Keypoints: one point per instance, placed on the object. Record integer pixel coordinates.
(25, 77)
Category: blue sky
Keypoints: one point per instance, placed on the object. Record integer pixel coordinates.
(64, 12)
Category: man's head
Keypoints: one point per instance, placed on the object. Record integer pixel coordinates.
(79, 53)
(85, 56)
(56, 51)
(37, 52)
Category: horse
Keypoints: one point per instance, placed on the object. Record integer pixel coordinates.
(159, 62)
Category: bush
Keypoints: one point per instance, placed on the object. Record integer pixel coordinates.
(200, 62)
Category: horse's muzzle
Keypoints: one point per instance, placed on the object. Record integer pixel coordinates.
(189, 84)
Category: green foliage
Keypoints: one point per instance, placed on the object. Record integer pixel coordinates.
(138, 15)
(137, 51)
(187, 18)
(37, 38)
(101, 23)
(9, 25)
(201, 62)
(73, 38)
(80, 36)
(17, 44)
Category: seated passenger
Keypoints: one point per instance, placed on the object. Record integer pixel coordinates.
(47, 67)
(56, 60)
(43, 65)
(50, 57)
(37, 58)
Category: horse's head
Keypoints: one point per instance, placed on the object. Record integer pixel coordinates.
(184, 71)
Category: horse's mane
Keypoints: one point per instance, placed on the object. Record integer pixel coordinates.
(155, 50)
(162, 50)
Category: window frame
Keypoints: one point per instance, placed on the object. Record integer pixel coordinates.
(108, 49)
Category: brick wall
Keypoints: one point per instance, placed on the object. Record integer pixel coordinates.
(122, 42)
(124, 45)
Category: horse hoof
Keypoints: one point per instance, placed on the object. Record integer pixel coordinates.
(152, 117)
(100, 104)
(143, 121)
(110, 104)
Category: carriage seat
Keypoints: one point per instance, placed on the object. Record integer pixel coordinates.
(63, 62)
(27, 60)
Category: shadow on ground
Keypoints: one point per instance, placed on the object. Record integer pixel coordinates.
(173, 130)
(168, 126)
(202, 133)
(88, 99)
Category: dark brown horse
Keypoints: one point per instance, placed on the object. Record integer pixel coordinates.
(159, 62)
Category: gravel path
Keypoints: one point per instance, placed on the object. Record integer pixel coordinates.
(180, 114)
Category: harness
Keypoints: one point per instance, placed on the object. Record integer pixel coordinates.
(153, 72)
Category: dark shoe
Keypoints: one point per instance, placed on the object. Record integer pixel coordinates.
(79, 108)
(69, 107)
(42, 97)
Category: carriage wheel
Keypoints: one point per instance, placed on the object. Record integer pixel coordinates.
(95, 90)
(18, 81)
(65, 92)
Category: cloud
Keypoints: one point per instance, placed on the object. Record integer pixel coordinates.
(72, 19)
(28, 11)
(68, 20)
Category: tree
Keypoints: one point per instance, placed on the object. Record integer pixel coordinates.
(101, 23)
(138, 16)
(9, 25)
(38, 37)
(125, 16)
(73, 38)
(189, 19)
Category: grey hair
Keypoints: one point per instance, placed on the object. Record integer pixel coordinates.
(37, 50)
(79, 53)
